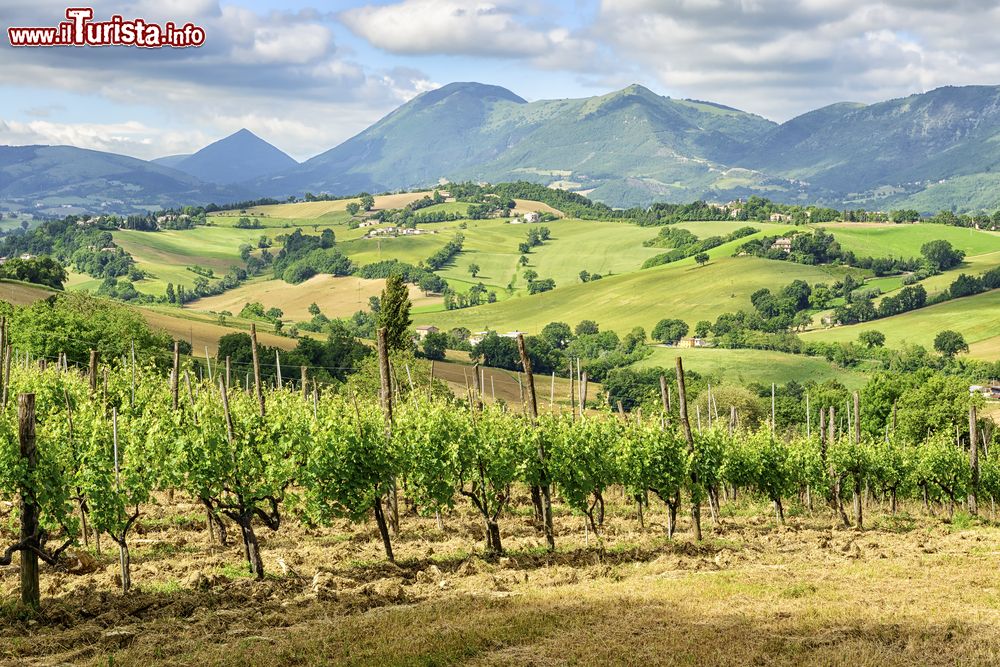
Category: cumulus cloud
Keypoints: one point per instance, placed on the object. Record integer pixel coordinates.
(280, 70)
(128, 138)
(783, 58)
(476, 28)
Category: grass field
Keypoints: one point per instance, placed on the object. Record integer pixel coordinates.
(888, 240)
(977, 318)
(910, 590)
(21, 294)
(683, 290)
(741, 367)
(336, 297)
(166, 255)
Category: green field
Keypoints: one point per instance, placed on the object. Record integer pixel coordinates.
(642, 298)
(888, 240)
(166, 255)
(977, 318)
(741, 367)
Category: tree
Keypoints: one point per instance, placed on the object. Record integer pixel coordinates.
(530, 275)
(558, 334)
(871, 338)
(474, 269)
(434, 345)
(584, 276)
(701, 258)
(669, 331)
(940, 255)
(314, 309)
(522, 260)
(171, 296)
(949, 343)
(394, 313)
(586, 327)
(702, 329)
(353, 208)
(367, 201)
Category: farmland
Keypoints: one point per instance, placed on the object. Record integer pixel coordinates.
(977, 317)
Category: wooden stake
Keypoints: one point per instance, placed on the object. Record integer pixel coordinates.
(93, 372)
(546, 496)
(174, 375)
(258, 386)
(277, 364)
(30, 591)
(208, 364)
(122, 558)
(303, 381)
(686, 424)
(973, 461)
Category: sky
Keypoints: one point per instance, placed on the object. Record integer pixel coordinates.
(307, 75)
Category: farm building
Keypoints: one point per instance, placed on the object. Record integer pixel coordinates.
(784, 244)
(424, 330)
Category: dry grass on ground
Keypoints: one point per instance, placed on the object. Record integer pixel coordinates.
(911, 591)
(336, 297)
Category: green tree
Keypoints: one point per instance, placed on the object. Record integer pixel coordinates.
(669, 331)
(701, 258)
(394, 313)
(353, 208)
(940, 255)
(586, 327)
(871, 338)
(530, 275)
(949, 343)
(314, 309)
(702, 329)
(434, 345)
(367, 201)
(474, 269)
(558, 334)
(171, 296)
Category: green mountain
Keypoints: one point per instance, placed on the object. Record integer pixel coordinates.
(59, 180)
(628, 146)
(933, 150)
(241, 156)
(887, 153)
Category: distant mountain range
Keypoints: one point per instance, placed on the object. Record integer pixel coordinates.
(631, 147)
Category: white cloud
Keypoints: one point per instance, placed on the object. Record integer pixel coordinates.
(128, 138)
(473, 28)
(783, 58)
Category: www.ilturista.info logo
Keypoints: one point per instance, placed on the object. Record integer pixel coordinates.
(80, 30)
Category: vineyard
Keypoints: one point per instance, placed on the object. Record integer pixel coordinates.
(96, 452)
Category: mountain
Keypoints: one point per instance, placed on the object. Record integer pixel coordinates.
(170, 160)
(630, 147)
(625, 146)
(891, 150)
(57, 180)
(241, 156)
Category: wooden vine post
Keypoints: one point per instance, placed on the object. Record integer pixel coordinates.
(258, 388)
(686, 424)
(30, 591)
(545, 491)
(858, 509)
(305, 384)
(94, 357)
(973, 461)
(385, 400)
(175, 376)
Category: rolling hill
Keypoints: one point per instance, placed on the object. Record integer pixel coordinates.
(59, 180)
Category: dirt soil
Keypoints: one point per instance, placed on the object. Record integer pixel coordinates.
(910, 590)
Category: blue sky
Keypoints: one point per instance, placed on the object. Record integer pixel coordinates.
(307, 75)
